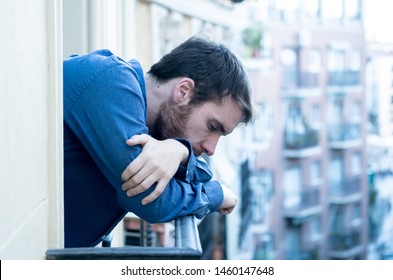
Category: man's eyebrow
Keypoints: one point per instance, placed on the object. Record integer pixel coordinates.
(221, 127)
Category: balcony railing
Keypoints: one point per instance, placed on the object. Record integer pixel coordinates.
(187, 246)
(345, 132)
(296, 141)
(308, 205)
(308, 80)
(303, 85)
(301, 80)
(302, 254)
(345, 191)
(344, 78)
(345, 245)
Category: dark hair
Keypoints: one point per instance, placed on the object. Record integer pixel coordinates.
(215, 70)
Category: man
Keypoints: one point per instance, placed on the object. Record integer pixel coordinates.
(198, 92)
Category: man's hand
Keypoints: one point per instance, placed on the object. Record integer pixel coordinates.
(229, 202)
(158, 162)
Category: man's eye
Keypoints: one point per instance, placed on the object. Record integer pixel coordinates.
(212, 127)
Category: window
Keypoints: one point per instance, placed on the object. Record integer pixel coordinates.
(336, 66)
(337, 219)
(356, 164)
(315, 227)
(292, 187)
(261, 184)
(295, 127)
(336, 60)
(289, 10)
(315, 172)
(337, 111)
(332, 9)
(314, 63)
(258, 129)
(293, 243)
(315, 115)
(336, 173)
(355, 65)
(264, 246)
(356, 211)
(289, 61)
(309, 66)
(262, 128)
(352, 9)
(356, 111)
(311, 8)
(355, 59)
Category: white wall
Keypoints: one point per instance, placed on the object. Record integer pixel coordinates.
(31, 215)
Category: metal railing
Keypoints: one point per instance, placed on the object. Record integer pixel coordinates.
(345, 132)
(187, 246)
(344, 78)
(343, 245)
(346, 187)
(298, 141)
(186, 233)
(309, 204)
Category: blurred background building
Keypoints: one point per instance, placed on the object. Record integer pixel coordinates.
(313, 173)
(303, 179)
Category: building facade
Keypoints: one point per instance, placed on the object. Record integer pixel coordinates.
(302, 169)
(31, 169)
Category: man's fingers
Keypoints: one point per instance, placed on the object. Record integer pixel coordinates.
(156, 193)
(226, 211)
(134, 167)
(140, 139)
(142, 187)
(140, 177)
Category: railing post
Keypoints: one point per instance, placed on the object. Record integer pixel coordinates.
(107, 242)
(186, 233)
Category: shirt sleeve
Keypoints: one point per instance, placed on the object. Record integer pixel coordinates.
(107, 110)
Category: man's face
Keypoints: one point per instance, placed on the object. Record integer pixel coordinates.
(202, 125)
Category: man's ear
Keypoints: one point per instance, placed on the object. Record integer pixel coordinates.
(183, 91)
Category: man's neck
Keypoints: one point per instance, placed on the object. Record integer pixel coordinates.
(153, 102)
(156, 94)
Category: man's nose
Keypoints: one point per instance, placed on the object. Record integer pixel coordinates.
(209, 145)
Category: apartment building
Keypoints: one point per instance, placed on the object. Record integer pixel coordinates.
(379, 90)
(38, 36)
(303, 179)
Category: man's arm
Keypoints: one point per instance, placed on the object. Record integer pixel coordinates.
(107, 113)
(158, 162)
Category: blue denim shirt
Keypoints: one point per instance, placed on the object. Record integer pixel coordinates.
(104, 105)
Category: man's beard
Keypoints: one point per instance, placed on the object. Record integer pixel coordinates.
(171, 121)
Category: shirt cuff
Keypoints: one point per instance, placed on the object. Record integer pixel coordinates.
(215, 195)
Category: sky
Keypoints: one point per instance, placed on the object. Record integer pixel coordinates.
(378, 20)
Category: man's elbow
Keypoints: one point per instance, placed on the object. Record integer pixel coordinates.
(154, 212)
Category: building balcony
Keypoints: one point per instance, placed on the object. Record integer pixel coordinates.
(302, 254)
(344, 78)
(345, 245)
(344, 136)
(305, 85)
(346, 191)
(308, 205)
(344, 82)
(298, 145)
